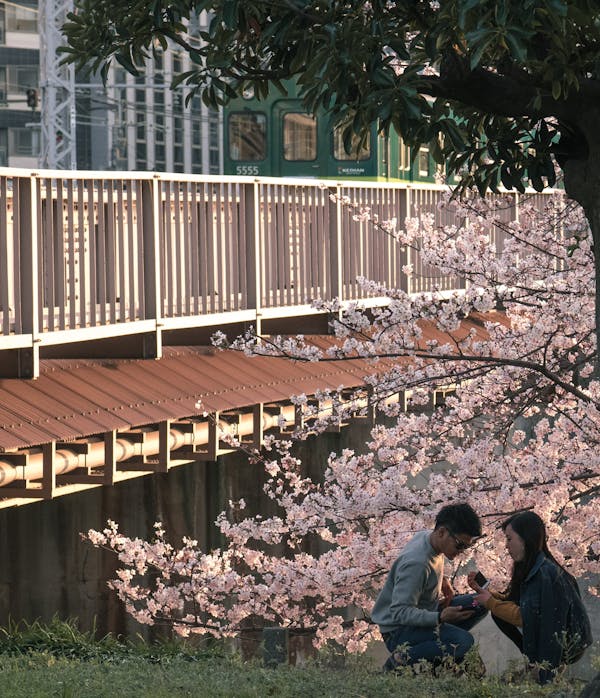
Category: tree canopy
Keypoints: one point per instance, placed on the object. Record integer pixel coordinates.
(498, 89)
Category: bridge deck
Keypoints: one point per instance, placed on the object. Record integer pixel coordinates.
(90, 422)
(101, 273)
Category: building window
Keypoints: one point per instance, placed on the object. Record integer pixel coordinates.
(196, 132)
(178, 129)
(196, 129)
(159, 129)
(339, 152)
(159, 108)
(22, 77)
(160, 162)
(21, 18)
(178, 157)
(160, 157)
(140, 130)
(141, 110)
(3, 86)
(247, 136)
(299, 137)
(178, 153)
(140, 155)
(197, 161)
(24, 142)
(196, 121)
(3, 147)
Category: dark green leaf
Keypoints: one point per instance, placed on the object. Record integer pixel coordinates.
(127, 63)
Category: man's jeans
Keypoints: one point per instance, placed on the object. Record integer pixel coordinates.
(432, 644)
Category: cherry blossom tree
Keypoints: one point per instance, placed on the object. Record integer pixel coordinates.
(518, 428)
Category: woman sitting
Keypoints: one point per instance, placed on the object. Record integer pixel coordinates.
(541, 611)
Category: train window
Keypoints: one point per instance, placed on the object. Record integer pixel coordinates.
(299, 136)
(247, 136)
(339, 152)
(424, 170)
(404, 155)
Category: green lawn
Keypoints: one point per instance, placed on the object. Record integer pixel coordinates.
(42, 674)
(58, 660)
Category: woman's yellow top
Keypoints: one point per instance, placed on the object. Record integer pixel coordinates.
(504, 609)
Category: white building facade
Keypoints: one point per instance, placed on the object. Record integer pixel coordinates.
(133, 123)
(19, 84)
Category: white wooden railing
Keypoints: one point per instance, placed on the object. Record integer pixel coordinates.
(89, 256)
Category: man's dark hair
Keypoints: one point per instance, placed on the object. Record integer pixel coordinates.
(459, 518)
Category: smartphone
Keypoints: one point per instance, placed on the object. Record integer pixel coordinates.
(481, 580)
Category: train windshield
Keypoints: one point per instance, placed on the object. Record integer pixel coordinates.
(299, 136)
(247, 136)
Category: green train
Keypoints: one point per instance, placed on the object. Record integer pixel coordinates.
(276, 137)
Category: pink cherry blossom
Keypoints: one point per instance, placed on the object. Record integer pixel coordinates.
(516, 425)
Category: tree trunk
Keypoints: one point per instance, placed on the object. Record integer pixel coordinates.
(593, 216)
(582, 183)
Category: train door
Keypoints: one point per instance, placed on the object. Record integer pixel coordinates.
(299, 148)
(361, 162)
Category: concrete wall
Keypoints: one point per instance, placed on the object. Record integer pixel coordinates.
(46, 569)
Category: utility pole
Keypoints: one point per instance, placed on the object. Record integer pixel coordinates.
(57, 84)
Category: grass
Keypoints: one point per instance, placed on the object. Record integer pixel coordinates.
(58, 660)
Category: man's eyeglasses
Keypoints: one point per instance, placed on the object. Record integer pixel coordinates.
(460, 544)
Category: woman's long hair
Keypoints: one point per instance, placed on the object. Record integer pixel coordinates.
(531, 529)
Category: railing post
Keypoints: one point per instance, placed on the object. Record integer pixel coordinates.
(336, 259)
(27, 221)
(252, 205)
(152, 346)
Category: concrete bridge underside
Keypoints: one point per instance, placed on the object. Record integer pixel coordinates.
(92, 422)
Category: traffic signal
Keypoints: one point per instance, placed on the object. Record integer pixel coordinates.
(32, 98)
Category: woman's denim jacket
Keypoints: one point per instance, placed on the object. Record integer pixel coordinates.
(556, 627)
